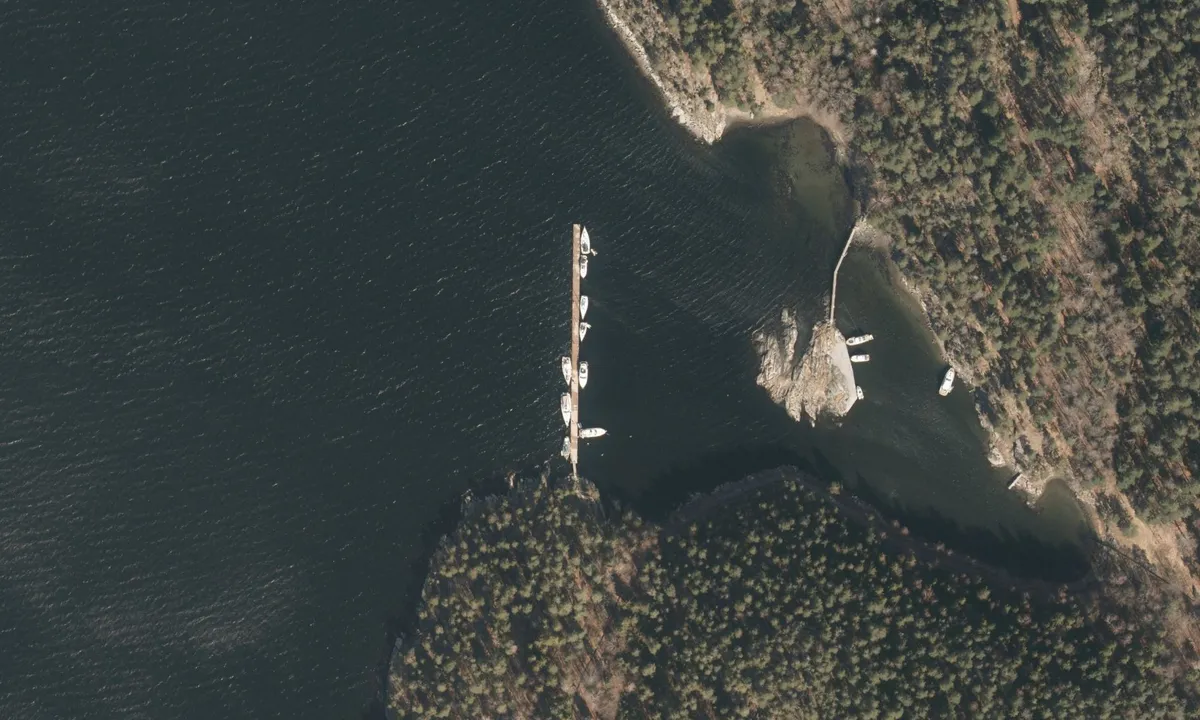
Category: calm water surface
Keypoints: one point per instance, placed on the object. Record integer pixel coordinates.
(281, 280)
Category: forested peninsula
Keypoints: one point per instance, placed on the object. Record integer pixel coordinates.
(1034, 166)
(771, 598)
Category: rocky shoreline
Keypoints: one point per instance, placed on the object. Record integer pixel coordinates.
(1032, 474)
(1028, 439)
(690, 96)
(692, 100)
(788, 378)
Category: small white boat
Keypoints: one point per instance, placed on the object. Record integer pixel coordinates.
(583, 266)
(565, 406)
(583, 328)
(585, 243)
(858, 391)
(589, 433)
(583, 374)
(860, 358)
(859, 340)
(583, 306)
(566, 368)
(947, 383)
(566, 448)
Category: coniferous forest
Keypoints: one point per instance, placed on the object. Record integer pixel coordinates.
(1035, 164)
(772, 603)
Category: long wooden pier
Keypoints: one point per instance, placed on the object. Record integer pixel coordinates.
(573, 429)
(849, 240)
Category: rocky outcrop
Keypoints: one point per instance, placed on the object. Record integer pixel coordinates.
(689, 95)
(688, 90)
(819, 384)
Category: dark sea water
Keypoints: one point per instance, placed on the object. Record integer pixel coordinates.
(281, 280)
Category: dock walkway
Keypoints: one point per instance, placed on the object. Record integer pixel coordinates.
(833, 296)
(573, 429)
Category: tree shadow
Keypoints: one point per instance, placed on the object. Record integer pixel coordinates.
(711, 470)
(1020, 554)
(403, 622)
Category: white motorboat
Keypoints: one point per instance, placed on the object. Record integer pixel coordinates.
(566, 448)
(565, 406)
(860, 358)
(583, 374)
(585, 243)
(947, 383)
(583, 328)
(589, 433)
(583, 266)
(566, 368)
(858, 391)
(583, 306)
(859, 340)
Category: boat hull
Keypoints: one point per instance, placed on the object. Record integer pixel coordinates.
(947, 383)
(564, 407)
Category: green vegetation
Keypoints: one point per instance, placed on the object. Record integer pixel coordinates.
(516, 615)
(1038, 173)
(771, 605)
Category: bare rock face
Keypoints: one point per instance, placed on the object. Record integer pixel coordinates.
(688, 91)
(820, 383)
(995, 455)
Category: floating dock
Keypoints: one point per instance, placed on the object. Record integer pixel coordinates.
(573, 428)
